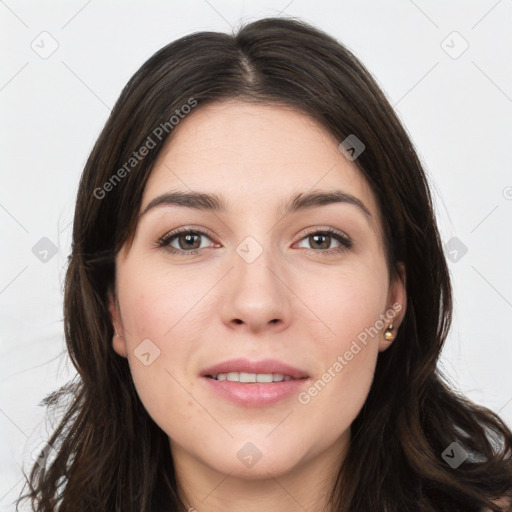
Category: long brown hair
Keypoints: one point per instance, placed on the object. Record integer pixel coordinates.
(109, 455)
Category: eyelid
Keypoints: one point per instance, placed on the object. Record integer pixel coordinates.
(189, 228)
(323, 229)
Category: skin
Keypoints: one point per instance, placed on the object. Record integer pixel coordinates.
(204, 308)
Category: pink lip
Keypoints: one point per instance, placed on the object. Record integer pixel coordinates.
(264, 366)
(255, 394)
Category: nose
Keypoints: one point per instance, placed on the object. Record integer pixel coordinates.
(256, 297)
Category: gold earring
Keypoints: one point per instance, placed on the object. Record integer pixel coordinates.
(388, 335)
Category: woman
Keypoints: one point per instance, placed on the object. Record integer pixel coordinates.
(257, 298)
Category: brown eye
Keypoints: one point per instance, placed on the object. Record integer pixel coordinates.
(321, 241)
(189, 241)
(183, 242)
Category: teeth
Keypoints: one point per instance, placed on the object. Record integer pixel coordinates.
(252, 377)
(247, 377)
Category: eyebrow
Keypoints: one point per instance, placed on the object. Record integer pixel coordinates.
(216, 203)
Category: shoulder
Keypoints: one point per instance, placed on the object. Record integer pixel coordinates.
(505, 504)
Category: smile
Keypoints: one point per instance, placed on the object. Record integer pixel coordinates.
(254, 383)
(251, 377)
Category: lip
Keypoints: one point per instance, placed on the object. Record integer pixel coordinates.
(255, 394)
(263, 366)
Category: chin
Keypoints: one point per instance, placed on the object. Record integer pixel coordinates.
(263, 469)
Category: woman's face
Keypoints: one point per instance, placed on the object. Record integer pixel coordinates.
(271, 289)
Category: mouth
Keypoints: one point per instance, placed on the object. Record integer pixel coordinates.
(247, 371)
(261, 378)
(254, 383)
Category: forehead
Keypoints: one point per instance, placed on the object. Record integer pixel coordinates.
(254, 153)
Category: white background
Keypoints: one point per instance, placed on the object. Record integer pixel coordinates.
(458, 112)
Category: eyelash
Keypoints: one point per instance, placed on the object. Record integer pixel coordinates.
(344, 240)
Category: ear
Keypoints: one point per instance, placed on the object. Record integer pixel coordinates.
(396, 306)
(118, 341)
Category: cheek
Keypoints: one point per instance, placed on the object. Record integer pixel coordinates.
(349, 302)
(351, 307)
(156, 303)
(339, 389)
(158, 319)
